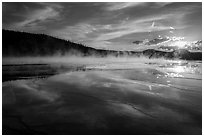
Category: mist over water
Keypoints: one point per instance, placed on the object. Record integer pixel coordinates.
(77, 60)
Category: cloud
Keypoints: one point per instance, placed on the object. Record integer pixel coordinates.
(134, 26)
(98, 35)
(51, 4)
(113, 6)
(121, 5)
(101, 44)
(43, 15)
(172, 28)
(161, 4)
(76, 33)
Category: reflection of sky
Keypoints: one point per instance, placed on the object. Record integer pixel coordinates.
(106, 25)
(96, 98)
(190, 68)
(179, 69)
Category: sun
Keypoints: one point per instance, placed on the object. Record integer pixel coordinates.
(180, 44)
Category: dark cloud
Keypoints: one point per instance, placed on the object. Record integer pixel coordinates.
(106, 25)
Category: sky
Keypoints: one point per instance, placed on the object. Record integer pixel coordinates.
(106, 25)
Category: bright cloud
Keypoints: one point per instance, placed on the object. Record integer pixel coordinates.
(121, 5)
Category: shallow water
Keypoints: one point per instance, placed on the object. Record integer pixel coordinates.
(112, 98)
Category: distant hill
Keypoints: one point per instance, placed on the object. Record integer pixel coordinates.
(27, 44)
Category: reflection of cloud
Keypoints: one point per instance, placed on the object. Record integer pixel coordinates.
(88, 98)
(35, 91)
(179, 69)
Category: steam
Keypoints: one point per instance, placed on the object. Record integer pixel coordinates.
(77, 60)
